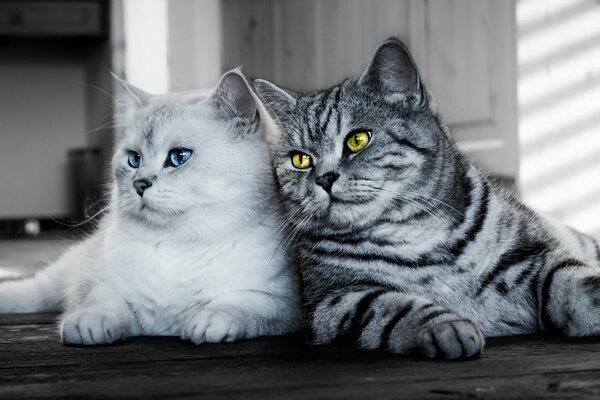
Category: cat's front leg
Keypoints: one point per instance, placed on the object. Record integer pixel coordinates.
(212, 325)
(568, 294)
(241, 315)
(91, 326)
(376, 318)
(99, 316)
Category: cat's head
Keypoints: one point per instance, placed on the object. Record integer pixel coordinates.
(345, 156)
(187, 153)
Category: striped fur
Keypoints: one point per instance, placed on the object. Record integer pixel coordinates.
(415, 249)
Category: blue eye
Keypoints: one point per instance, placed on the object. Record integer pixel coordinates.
(178, 157)
(133, 159)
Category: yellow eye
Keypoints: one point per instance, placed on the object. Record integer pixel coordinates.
(301, 160)
(357, 141)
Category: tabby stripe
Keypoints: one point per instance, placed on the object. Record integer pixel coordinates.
(351, 333)
(369, 283)
(309, 125)
(318, 111)
(502, 288)
(336, 299)
(432, 315)
(384, 341)
(405, 143)
(545, 296)
(468, 199)
(593, 281)
(342, 326)
(395, 167)
(388, 154)
(341, 281)
(524, 274)
(511, 258)
(332, 106)
(597, 251)
(477, 225)
(369, 257)
(349, 240)
(421, 214)
(338, 122)
(426, 307)
(306, 132)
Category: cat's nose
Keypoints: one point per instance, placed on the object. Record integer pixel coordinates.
(326, 180)
(140, 185)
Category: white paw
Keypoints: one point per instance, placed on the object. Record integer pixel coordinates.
(91, 326)
(452, 339)
(213, 326)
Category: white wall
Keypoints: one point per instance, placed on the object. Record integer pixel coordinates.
(172, 45)
(465, 50)
(559, 106)
(146, 32)
(194, 44)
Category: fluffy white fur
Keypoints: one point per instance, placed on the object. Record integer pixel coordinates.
(199, 254)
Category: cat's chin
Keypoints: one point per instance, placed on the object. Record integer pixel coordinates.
(149, 214)
(342, 215)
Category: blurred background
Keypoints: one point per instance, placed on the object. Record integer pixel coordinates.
(517, 80)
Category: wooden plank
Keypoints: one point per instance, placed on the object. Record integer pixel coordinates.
(33, 364)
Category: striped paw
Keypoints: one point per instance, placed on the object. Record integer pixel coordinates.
(450, 340)
(211, 326)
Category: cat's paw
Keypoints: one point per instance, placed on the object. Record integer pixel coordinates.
(451, 339)
(213, 326)
(90, 327)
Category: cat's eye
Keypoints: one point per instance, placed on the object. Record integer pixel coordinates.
(133, 159)
(301, 160)
(178, 157)
(358, 140)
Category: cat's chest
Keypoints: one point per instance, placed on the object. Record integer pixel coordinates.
(163, 281)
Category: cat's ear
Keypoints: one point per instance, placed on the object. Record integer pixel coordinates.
(273, 96)
(128, 98)
(272, 100)
(394, 74)
(233, 96)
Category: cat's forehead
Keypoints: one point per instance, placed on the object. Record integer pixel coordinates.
(166, 122)
(322, 118)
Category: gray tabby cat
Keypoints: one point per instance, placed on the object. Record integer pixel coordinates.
(402, 243)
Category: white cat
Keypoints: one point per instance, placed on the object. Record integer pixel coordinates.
(191, 244)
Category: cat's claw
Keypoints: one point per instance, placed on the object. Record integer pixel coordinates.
(90, 327)
(450, 340)
(213, 326)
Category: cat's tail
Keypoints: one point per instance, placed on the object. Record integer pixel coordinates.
(42, 292)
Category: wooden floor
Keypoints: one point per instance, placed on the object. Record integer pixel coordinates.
(33, 364)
